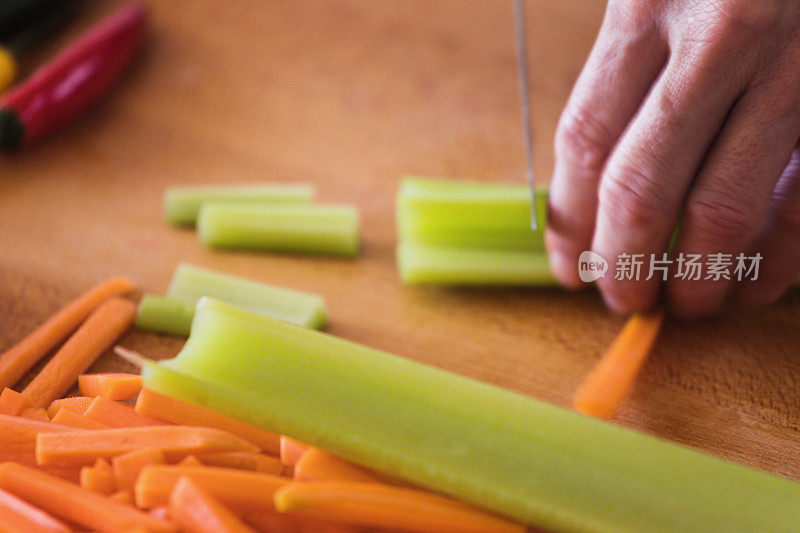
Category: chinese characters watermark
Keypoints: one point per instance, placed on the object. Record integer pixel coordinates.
(693, 267)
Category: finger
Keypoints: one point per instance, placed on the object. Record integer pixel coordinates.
(625, 60)
(647, 176)
(778, 243)
(732, 193)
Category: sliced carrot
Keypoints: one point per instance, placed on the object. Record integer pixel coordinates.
(292, 450)
(274, 522)
(18, 443)
(161, 512)
(18, 516)
(128, 465)
(110, 386)
(75, 404)
(124, 497)
(319, 465)
(84, 447)
(97, 480)
(238, 489)
(257, 462)
(12, 402)
(17, 360)
(179, 412)
(193, 510)
(118, 415)
(608, 383)
(190, 460)
(70, 502)
(100, 331)
(383, 506)
(65, 417)
(35, 413)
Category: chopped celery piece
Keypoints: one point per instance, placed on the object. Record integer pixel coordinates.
(165, 315)
(472, 266)
(523, 458)
(317, 229)
(182, 204)
(189, 283)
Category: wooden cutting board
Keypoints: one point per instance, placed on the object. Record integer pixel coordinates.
(351, 95)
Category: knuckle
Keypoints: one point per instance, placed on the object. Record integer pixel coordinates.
(631, 198)
(721, 219)
(582, 138)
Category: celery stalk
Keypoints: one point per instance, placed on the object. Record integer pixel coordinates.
(472, 266)
(534, 462)
(165, 315)
(182, 204)
(189, 283)
(331, 229)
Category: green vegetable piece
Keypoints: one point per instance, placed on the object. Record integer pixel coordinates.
(190, 283)
(523, 458)
(182, 204)
(313, 229)
(165, 315)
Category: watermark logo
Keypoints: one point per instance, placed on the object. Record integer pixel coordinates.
(591, 266)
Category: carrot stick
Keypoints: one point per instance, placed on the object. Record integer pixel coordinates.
(17, 360)
(65, 417)
(12, 402)
(257, 462)
(127, 466)
(292, 450)
(124, 497)
(161, 512)
(84, 447)
(318, 465)
(35, 413)
(190, 460)
(238, 489)
(18, 442)
(75, 404)
(110, 386)
(608, 383)
(274, 522)
(382, 506)
(70, 502)
(97, 480)
(118, 415)
(180, 412)
(193, 510)
(18, 516)
(100, 331)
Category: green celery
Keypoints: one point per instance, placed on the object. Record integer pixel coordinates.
(165, 315)
(182, 204)
(331, 229)
(520, 457)
(189, 283)
(472, 266)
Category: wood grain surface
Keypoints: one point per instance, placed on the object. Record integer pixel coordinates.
(351, 95)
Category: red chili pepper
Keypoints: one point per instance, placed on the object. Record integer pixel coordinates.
(78, 76)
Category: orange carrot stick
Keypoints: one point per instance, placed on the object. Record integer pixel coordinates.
(193, 510)
(35, 413)
(128, 466)
(292, 450)
(97, 480)
(257, 462)
(70, 502)
(124, 497)
(119, 415)
(382, 506)
(12, 402)
(179, 412)
(100, 331)
(190, 460)
(18, 442)
(319, 465)
(273, 522)
(110, 386)
(609, 382)
(84, 447)
(240, 490)
(65, 417)
(76, 404)
(18, 516)
(21, 357)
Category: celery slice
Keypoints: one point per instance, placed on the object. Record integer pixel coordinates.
(472, 266)
(189, 283)
(165, 315)
(182, 204)
(330, 229)
(538, 463)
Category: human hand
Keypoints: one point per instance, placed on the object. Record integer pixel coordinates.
(690, 109)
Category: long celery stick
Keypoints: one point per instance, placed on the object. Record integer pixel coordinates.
(165, 315)
(189, 283)
(182, 204)
(520, 457)
(472, 266)
(316, 229)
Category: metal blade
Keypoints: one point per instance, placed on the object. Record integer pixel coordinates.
(522, 69)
